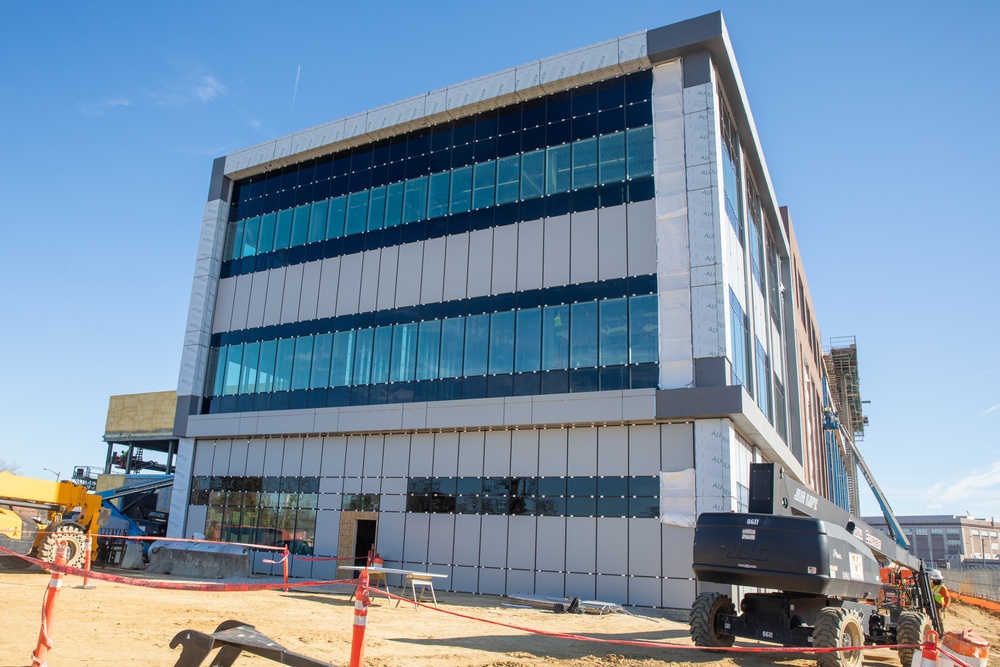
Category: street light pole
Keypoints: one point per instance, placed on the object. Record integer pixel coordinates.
(57, 474)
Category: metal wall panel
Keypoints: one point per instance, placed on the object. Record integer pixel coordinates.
(497, 461)
(492, 581)
(644, 449)
(456, 266)
(644, 591)
(524, 453)
(422, 455)
(373, 455)
(676, 447)
(309, 299)
(354, 463)
(504, 259)
(411, 257)
(446, 455)
(555, 252)
(349, 289)
(258, 296)
(583, 247)
(415, 538)
(241, 302)
(466, 550)
(255, 458)
(521, 542)
(397, 455)
(471, 452)
(612, 534)
(432, 280)
(551, 546)
(677, 545)
(442, 539)
(291, 459)
(641, 232)
(493, 541)
(275, 291)
(334, 455)
(583, 586)
(273, 453)
(220, 457)
(611, 587)
(611, 444)
(612, 240)
(312, 456)
(480, 262)
(530, 239)
(238, 458)
(582, 456)
(552, 452)
(519, 581)
(389, 536)
(552, 584)
(224, 298)
(370, 262)
(581, 544)
(644, 547)
(329, 278)
(327, 532)
(387, 278)
(293, 289)
(465, 579)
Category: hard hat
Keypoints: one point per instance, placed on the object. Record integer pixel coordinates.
(934, 574)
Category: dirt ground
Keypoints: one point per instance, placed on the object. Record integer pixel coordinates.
(126, 626)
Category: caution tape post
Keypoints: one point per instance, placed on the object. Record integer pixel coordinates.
(284, 562)
(361, 602)
(48, 609)
(929, 651)
(88, 544)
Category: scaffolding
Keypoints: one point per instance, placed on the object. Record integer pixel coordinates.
(841, 363)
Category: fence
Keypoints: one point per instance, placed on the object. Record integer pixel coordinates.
(984, 584)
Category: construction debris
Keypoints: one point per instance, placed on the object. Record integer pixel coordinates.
(567, 605)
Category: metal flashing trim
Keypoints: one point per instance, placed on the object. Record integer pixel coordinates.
(217, 189)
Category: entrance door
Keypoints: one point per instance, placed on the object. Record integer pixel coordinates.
(364, 540)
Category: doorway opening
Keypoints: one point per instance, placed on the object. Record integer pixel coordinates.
(364, 540)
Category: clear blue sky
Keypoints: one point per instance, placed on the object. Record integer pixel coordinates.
(878, 123)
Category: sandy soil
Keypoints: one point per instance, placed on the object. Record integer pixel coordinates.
(114, 624)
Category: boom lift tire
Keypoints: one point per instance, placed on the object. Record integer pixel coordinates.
(704, 611)
(836, 627)
(70, 533)
(912, 628)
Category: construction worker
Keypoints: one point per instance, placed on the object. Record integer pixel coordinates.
(942, 598)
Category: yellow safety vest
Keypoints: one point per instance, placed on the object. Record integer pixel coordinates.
(938, 595)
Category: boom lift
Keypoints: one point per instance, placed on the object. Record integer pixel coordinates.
(70, 512)
(837, 581)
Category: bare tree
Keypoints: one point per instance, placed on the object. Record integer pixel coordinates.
(9, 466)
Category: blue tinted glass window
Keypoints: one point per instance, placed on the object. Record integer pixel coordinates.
(357, 213)
(437, 204)
(415, 200)
(640, 152)
(461, 189)
(484, 184)
(528, 342)
(614, 332)
(585, 164)
(322, 348)
(251, 230)
(583, 335)
(502, 342)
(558, 169)
(555, 337)
(404, 352)
(234, 241)
(376, 208)
(283, 364)
(248, 377)
(763, 379)
(612, 156)
(220, 371)
(508, 179)
(303, 362)
(317, 220)
(343, 359)
(265, 372)
(642, 329)
(452, 345)
(234, 363)
(335, 221)
(393, 204)
(477, 338)
(533, 174)
(381, 351)
(265, 242)
(283, 229)
(300, 225)
(740, 342)
(428, 346)
(363, 356)
(731, 191)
